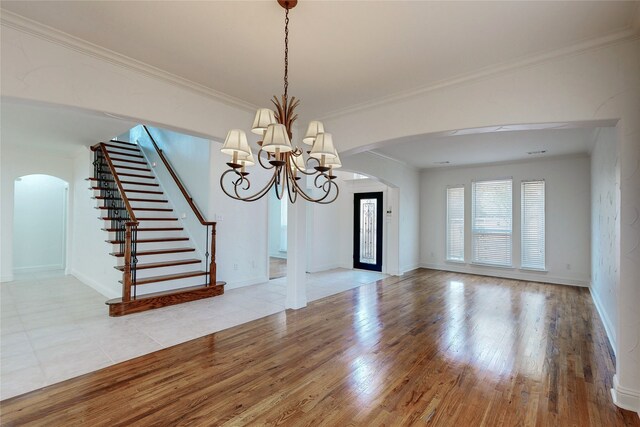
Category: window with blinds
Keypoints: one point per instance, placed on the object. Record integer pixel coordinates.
(491, 225)
(533, 226)
(455, 223)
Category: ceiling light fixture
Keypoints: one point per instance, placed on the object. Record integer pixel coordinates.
(285, 160)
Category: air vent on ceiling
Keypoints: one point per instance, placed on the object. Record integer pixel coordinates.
(536, 152)
(446, 162)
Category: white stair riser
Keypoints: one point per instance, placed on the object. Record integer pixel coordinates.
(170, 285)
(136, 204)
(161, 257)
(155, 245)
(148, 224)
(164, 271)
(151, 234)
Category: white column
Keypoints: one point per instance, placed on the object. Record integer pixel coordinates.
(296, 254)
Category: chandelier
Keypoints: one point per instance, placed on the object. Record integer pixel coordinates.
(286, 161)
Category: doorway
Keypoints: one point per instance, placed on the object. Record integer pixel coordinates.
(277, 231)
(367, 231)
(39, 223)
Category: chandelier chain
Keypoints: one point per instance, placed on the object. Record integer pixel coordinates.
(286, 54)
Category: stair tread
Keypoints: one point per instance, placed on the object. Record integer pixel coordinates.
(149, 184)
(166, 293)
(122, 142)
(107, 218)
(137, 156)
(156, 252)
(167, 277)
(156, 240)
(127, 190)
(143, 229)
(162, 264)
(137, 162)
(137, 209)
(132, 199)
(117, 147)
(132, 168)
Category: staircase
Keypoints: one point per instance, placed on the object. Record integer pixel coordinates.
(160, 264)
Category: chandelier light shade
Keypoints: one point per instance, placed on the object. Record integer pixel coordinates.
(315, 127)
(278, 154)
(323, 147)
(264, 118)
(276, 139)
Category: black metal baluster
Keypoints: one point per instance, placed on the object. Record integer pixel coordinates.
(206, 254)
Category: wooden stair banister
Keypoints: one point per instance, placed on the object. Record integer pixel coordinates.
(194, 208)
(130, 225)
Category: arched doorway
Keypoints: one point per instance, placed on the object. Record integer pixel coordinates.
(39, 223)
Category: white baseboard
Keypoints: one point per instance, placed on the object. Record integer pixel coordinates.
(608, 326)
(409, 268)
(324, 267)
(38, 268)
(507, 274)
(247, 282)
(625, 398)
(6, 278)
(100, 287)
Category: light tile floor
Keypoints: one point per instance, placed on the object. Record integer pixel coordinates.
(53, 327)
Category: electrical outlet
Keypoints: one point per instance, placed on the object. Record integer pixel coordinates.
(253, 265)
(218, 217)
(235, 267)
(568, 266)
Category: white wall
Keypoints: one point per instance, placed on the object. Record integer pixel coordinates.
(274, 228)
(90, 259)
(567, 188)
(39, 223)
(16, 161)
(605, 225)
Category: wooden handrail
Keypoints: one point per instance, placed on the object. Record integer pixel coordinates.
(175, 177)
(123, 195)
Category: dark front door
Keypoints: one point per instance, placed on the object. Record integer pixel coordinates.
(367, 231)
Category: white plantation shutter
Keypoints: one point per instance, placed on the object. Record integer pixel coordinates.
(492, 222)
(455, 224)
(533, 225)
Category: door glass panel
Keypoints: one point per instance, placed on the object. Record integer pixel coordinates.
(368, 230)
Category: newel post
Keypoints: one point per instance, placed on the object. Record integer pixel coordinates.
(212, 266)
(126, 275)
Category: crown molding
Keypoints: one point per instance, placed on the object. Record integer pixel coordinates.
(42, 31)
(632, 32)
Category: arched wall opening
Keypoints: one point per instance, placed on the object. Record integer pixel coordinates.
(40, 215)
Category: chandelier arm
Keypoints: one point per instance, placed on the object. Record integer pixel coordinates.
(270, 166)
(236, 196)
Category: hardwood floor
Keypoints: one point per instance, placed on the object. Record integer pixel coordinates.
(430, 347)
(277, 267)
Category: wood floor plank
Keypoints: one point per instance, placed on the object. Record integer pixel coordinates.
(428, 348)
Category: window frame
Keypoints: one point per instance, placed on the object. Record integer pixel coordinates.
(475, 233)
(522, 225)
(447, 228)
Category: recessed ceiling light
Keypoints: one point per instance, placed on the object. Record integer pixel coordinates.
(536, 152)
(446, 162)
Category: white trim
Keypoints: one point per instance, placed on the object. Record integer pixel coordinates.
(606, 321)
(100, 287)
(625, 398)
(38, 268)
(247, 282)
(490, 71)
(324, 267)
(6, 278)
(61, 38)
(407, 269)
(509, 274)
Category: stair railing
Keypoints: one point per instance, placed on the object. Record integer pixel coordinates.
(210, 251)
(119, 211)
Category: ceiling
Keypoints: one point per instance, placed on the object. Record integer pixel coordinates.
(491, 147)
(58, 129)
(342, 53)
